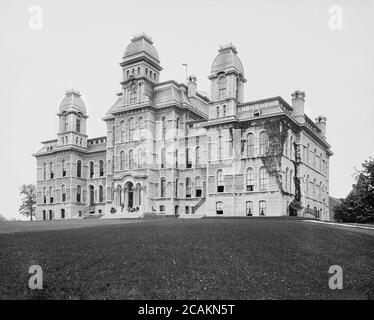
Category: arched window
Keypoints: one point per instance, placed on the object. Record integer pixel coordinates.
(314, 189)
(209, 148)
(222, 88)
(163, 158)
(141, 128)
(219, 207)
(315, 158)
(220, 182)
(101, 193)
(197, 156)
(250, 179)
(79, 193)
(198, 187)
(249, 208)
(188, 187)
(131, 159)
(176, 158)
(50, 195)
(177, 124)
(217, 111)
(78, 125)
(320, 191)
(176, 187)
(262, 208)
(140, 158)
(62, 213)
(250, 144)
(292, 149)
(263, 143)
(101, 168)
(263, 179)
(163, 128)
(63, 193)
(307, 154)
(92, 170)
(163, 187)
(122, 127)
(44, 195)
(188, 158)
(66, 124)
(51, 173)
(219, 148)
(286, 182)
(122, 160)
(44, 171)
(224, 110)
(79, 168)
(131, 129)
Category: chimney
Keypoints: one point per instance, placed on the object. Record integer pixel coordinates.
(321, 123)
(192, 86)
(298, 101)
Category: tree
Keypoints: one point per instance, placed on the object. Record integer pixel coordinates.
(28, 194)
(358, 206)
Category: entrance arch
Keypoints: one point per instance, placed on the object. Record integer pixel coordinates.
(129, 189)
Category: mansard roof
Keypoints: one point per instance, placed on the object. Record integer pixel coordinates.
(72, 100)
(166, 93)
(227, 59)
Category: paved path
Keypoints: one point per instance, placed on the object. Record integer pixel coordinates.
(347, 225)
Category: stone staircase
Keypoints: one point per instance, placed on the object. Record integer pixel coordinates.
(90, 213)
(199, 211)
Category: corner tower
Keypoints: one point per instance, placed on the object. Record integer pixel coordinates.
(72, 120)
(227, 80)
(141, 70)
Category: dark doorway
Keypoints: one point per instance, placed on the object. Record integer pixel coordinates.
(130, 193)
(176, 210)
(92, 195)
(50, 215)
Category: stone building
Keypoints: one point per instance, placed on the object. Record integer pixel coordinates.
(170, 150)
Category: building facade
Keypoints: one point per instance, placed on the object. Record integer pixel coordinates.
(170, 150)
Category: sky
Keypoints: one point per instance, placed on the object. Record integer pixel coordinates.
(325, 48)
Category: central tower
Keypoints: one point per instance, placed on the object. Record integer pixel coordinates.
(140, 69)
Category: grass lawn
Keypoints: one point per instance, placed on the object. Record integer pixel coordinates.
(249, 258)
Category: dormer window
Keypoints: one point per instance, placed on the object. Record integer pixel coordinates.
(256, 113)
